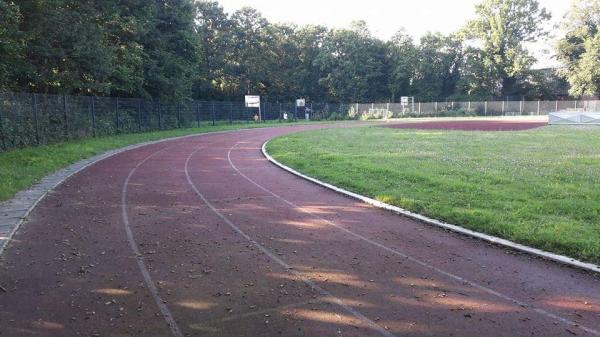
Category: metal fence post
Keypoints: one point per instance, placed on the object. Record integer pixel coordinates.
(485, 108)
(557, 106)
(178, 107)
(538, 107)
(520, 107)
(2, 126)
(117, 113)
(93, 105)
(159, 116)
(35, 119)
(230, 112)
(65, 117)
(502, 107)
(387, 109)
(198, 114)
(575, 104)
(213, 112)
(436, 109)
(139, 114)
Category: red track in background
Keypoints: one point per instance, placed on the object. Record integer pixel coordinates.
(466, 125)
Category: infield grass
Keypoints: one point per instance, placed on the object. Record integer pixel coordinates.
(539, 187)
(21, 168)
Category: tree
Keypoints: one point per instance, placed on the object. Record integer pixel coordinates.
(306, 75)
(170, 49)
(354, 65)
(437, 69)
(579, 49)
(12, 45)
(403, 56)
(65, 46)
(248, 62)
(214, 29)
(501, 28)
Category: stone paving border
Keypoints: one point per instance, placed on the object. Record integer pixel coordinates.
(454, 228)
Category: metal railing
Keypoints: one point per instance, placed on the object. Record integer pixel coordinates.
(36, 119)
(470, 108)
(28, 119)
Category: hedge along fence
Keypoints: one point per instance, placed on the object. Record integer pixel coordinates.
(28, 119)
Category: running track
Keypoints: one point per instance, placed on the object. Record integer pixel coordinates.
(203, 237)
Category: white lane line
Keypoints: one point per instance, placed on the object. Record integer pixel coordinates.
(164, 310)
(412, 259)
(282, 263)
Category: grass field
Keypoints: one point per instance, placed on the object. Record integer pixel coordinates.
(539, 187)
(21, 168)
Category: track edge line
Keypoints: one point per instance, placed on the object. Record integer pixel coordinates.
(562, 259)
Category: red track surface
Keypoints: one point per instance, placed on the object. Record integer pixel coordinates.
(476, 125)
(204, 233)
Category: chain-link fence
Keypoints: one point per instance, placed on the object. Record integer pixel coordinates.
(34, 119)
(474, 108)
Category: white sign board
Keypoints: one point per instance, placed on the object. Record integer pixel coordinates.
(300, 102)
(404, 100)
(252, 101)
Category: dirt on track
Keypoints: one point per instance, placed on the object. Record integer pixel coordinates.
(204, 237)
(471, 125)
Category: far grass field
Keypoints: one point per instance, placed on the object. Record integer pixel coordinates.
(20, 168)
(539, 187)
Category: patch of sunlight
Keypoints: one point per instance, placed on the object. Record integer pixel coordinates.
(113, 291)
(573, 303)
(47, 325)
(329, 317)
(196, 305)
(303, 224)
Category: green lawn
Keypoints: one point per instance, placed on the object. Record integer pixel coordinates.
(538, 187)
(21, 168)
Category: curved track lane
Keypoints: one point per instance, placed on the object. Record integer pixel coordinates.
(202, 236)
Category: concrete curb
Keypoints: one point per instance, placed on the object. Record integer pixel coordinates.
(454, 228)
(14, 212)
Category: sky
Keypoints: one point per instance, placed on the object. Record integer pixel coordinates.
(385, 17)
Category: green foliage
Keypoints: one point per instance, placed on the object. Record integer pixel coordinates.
(12, 44)
(439, 61)
(354, 65)
(174, 50)
(403, 56)
(579, 49)
(502, 64)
